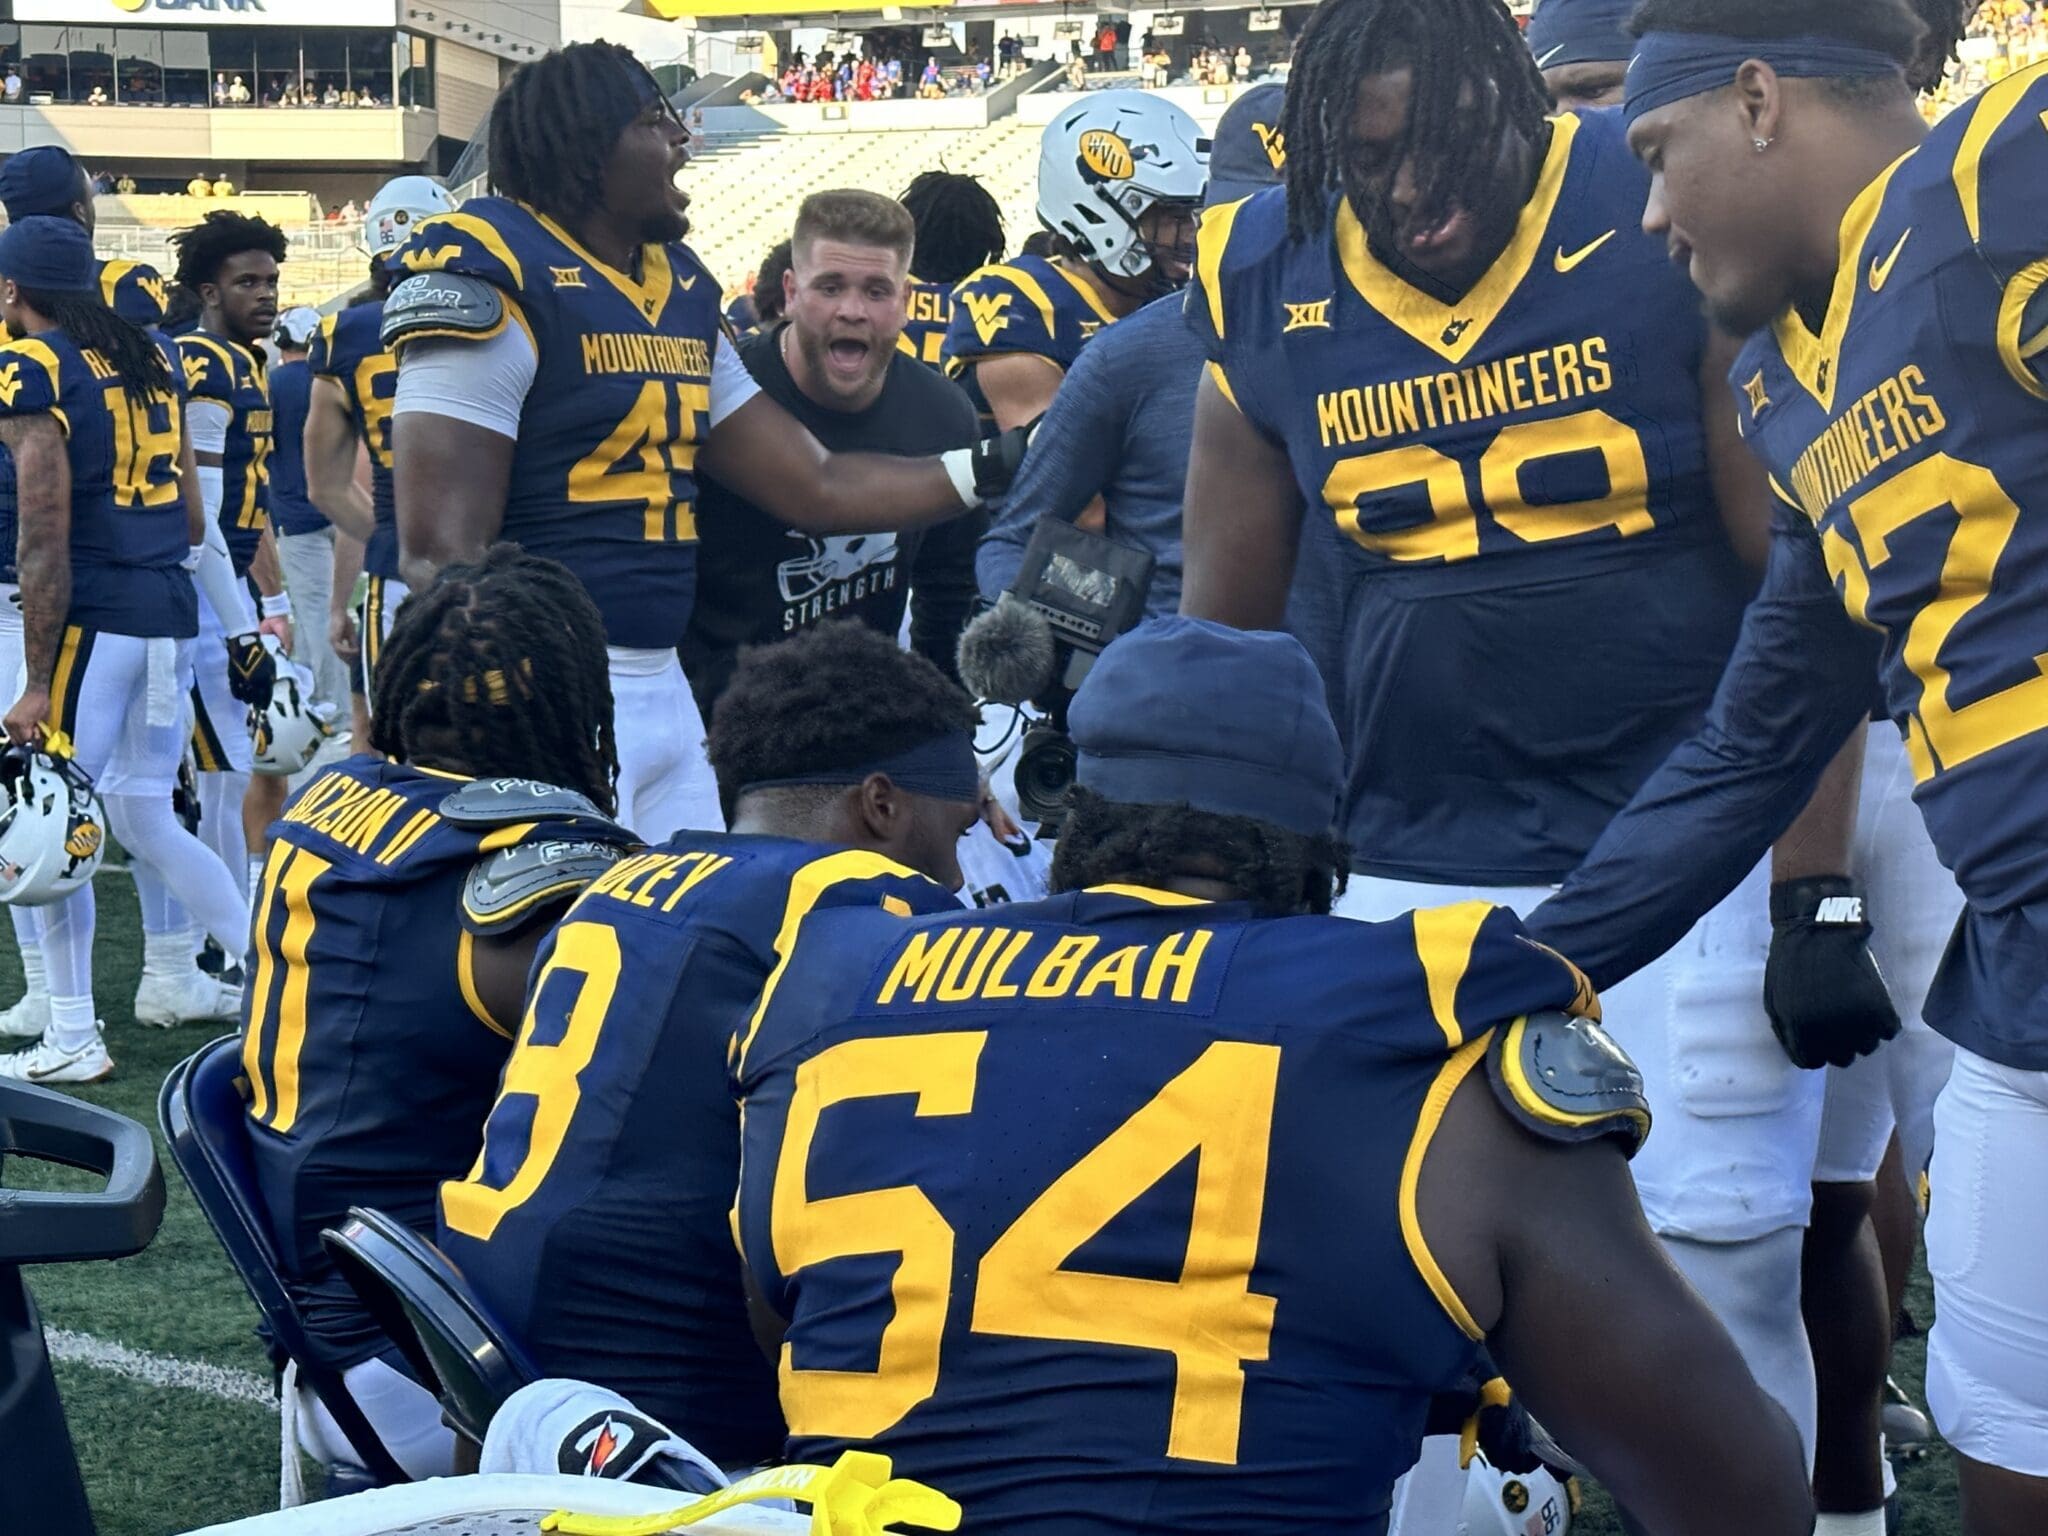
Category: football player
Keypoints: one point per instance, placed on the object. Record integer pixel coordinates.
(47, 180)
(959, 231)
(1120, 178)
(231, 262)
(1582, 47)
(562, 367)
(405, 893)
(1167, 1203)
(594, 1224)
(1446, 337)
(355, 380)
(89, 415)
(1895, 389)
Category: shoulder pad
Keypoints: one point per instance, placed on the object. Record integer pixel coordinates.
(509, 802)
(443, 304)
(506, 888)
(1565, 1079)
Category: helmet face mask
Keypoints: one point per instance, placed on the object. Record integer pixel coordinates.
(1107, 163)
(287, 735)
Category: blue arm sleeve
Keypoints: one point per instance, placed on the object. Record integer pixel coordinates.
(1799, 683)
(1072, 457)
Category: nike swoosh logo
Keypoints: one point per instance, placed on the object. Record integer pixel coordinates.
(1881, 271)
(1565, 263)
(1543, 61)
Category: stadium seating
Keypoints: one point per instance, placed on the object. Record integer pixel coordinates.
(206, 1125)
(427, 1309)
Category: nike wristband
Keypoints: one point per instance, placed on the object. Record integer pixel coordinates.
(959, 466)
(277, 607)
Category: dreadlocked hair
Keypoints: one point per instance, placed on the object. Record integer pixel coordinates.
(553, 127)
(221, 234)
(501, 663)
(959, 226)
(1474, 80)
(1946, 22)
(838, 696)
(1280, 872)
(137, 361)
(1886, 26)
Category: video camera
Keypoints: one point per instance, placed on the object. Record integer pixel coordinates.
(1075, 593)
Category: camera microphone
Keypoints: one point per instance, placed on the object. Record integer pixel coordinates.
(1007, 654)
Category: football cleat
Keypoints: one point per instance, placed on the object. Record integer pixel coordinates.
(44, 1063)
(163, 1001)
(27, 1019)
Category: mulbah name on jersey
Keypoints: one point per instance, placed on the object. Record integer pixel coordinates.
(1910, 430)
(988, 964)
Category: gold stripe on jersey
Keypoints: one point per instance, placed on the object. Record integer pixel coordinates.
(2015, 351)
(1211, 240)
(465, 978)
(649, 293)
(411, 832)
(74, 655)
(478, 230)
(1815, 361)
(1452, 1073)
(1453, 330)
(1086, 290)
(1993, 108)
(1444, 937)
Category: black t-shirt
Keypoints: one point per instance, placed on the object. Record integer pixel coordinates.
(759, 580)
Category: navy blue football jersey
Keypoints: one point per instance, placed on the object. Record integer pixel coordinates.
(371, 1058)
(348, 349)
(595, 1223)
(604, 474)
(1092, 1212)
(1912, 431)
(1032, 306)
(929, 311)
(1525, 593)
(128, 534)
(227, 371)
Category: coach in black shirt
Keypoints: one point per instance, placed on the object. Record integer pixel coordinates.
(834, 365)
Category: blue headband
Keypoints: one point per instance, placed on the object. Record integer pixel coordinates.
(1672, 66)
(943, 769)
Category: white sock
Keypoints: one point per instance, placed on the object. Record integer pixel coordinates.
(169, 954)
(1891, 1477)
(72, 1022)
(1869, 1523)
(28, 934)
(256, 863)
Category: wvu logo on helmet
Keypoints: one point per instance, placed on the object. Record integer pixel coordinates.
(85, 840)
(987, 312)
(1106, 156)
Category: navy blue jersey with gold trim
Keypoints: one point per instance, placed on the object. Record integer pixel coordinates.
(128, 534)
(227, 371)
(1527, 594)
(370, 1057)
(1029, 307)
(928, 311)
(603, 476)
(1093, 1212)
(348, 349)
(594, 1224)
(1913, 432)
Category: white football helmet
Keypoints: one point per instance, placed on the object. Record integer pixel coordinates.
(1107, 160)
(398, 208)
(52, 829)
(287, 734)
(1501, 1503)
(839, 557)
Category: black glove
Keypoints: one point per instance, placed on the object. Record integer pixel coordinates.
(1822, 988)
(997, 460)
(1486, 1417)
(252, 670)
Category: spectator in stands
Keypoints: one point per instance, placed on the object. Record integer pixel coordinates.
(222, 187)
(126, 185)
(1241, 64)
(834, 365)
(769, 295)
(220, 90)
(1120, 429)
(1105, 48)
(305, 539)
(928, 83)
(331, 97)
(895, 77)
(199, 186)
(97, 97)
(1077, 72)
(11, 86)
(238, 93)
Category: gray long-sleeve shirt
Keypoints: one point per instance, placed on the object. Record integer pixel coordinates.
(1121, 428)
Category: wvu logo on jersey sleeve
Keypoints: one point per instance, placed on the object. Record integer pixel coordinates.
(10, 383)
(1308, 317)
(434, 259)
(195, 369)
(989, 312)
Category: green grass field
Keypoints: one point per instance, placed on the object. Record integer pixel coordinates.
(165, 1457)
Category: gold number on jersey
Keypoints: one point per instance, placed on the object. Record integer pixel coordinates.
(639, 461)
(549, 1074)
(1209, 1320)
(1941, 735)
(250, 514)
(146, 443)
(1452, 533)
(376, 391)
(280, 984)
